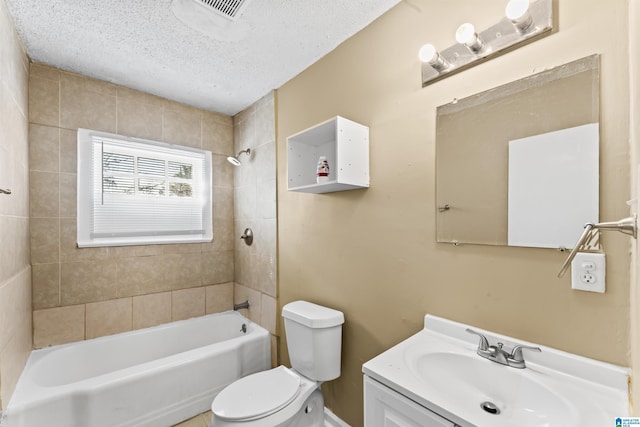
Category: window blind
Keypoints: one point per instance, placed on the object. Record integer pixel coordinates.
(133, 191)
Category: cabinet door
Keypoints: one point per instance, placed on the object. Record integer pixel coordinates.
(383, 407)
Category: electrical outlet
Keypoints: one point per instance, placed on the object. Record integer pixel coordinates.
(588, 272)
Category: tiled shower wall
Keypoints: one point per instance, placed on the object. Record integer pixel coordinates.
(255, 208)
(85, 293)
(15, 272)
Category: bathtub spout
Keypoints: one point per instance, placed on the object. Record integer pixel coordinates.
(237, 307)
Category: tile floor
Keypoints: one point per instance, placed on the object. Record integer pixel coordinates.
(201, 420)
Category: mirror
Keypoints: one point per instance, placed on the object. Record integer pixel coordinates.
(518, 164)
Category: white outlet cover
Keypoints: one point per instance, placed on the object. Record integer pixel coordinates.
(588, 272)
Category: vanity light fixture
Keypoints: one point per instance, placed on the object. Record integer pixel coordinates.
(524, 21)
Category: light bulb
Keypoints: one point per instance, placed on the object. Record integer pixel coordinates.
(466, 34)
(517, 11)
(430, 55)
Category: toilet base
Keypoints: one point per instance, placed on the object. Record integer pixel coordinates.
(309, 414)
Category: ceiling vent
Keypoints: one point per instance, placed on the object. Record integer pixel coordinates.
(216, 18)
(230, 9)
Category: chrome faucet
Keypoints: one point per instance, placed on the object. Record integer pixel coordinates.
(495, 353)
(244, 304)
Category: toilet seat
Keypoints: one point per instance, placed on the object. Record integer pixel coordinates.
(257, 395)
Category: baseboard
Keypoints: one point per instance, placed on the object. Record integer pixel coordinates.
(332, 420)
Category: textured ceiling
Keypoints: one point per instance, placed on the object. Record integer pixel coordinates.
(141, 44)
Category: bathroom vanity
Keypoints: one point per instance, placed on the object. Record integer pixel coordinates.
(446, 376)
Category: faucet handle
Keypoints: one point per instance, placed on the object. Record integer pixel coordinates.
(516, 353)
(484, 343)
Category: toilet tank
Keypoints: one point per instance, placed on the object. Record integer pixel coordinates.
(314, 339)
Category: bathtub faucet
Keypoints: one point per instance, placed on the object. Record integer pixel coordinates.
(237, 307)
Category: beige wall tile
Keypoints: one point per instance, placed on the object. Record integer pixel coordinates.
(44, 101)
(217, 267)
(14, 257)
(139, 120)
(65, 275)
(68, 195)
(217, 137)
(14, 357)
(86, 109)
(268, 313)
(132, 95)
(45, 240)
(135, 251)
(223, 236)
(182, 248)
(183, 270)
(183, 127)
(15, 270)
(222, 202)
(82, 282)
(187, 303)
(245, 268)
(69, 250)
(151, 310)
(68, 151)
(58, 325)
(141, 275)
(265, 161)
(15, 305)
(44, 146)
(222, 171)
(109, 317)
(44, 195)
(46, 285)
(44, 72)
(219, 298)
(76, 83)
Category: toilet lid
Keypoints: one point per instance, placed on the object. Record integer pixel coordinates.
(257, 395)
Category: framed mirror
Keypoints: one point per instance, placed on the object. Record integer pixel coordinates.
(518, 164)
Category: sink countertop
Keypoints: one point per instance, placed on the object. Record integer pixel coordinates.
(585, 392)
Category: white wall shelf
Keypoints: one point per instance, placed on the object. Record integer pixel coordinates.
(343, 142)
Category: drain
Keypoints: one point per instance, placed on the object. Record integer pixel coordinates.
(490, 407)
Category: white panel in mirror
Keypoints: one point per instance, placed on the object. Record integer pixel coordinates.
(553, 185)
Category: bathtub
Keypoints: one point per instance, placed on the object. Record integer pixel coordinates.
(157, 376)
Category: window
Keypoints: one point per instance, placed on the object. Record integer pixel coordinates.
(133, 191)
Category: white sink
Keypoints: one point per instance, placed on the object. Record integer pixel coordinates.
(475, 381)
(439, 369)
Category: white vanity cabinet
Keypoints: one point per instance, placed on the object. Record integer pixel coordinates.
(384, 407)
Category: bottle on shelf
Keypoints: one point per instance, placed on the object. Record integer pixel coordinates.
(323, 170)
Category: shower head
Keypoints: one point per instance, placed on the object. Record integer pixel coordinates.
(234, 159)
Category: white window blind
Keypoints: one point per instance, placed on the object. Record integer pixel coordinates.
(133, 191)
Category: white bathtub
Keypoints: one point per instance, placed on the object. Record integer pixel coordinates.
(150, 377)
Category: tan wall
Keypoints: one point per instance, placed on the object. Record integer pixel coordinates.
(15, 272)
(255, 208)
(372, 253)
(85, 293)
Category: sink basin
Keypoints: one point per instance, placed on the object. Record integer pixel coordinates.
(438, 369)
(471, 381)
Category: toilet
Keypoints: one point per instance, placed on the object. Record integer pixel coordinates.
(284, 396)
